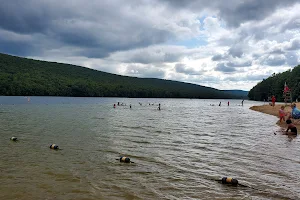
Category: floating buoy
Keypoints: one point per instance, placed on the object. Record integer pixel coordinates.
(53, 146)
(228, 180)
(13, 139)
(125, 159)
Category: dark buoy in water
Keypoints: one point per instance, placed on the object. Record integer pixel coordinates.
(53, 146)
(228, 180)
(125, 159)
(13, 139)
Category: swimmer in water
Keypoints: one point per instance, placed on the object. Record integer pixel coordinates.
(291, 127)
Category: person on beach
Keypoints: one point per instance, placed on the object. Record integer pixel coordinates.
(295, 111)
(273, 100)
(291, 127)
(159, 106)
(220, 103)
(282, 114)
(243, 102)
(295, 114)
(228, 103)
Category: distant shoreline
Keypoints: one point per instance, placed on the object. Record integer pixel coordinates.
(124, 97)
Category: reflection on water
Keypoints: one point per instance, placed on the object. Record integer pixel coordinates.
(178, 152)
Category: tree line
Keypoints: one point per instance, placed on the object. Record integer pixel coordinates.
(274, 85)
(28, 77)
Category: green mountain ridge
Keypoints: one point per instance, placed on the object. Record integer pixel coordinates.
(240, 93)
(274, 85)
(28, 77)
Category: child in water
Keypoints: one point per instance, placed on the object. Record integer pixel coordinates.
(282, 114)
(291, 127)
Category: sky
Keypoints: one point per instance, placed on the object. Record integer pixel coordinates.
(232, 44)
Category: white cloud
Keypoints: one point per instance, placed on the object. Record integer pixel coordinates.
(226, 47)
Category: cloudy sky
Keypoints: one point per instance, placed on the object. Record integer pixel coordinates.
(230, 44)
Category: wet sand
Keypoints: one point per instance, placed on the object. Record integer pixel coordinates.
(267, 109)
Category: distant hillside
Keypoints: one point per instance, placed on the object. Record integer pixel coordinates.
(239, 93)
(24, 77)
(274, 85)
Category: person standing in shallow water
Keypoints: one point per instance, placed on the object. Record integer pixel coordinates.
(243, 102)
(220, 103)
(159, 106)
(228, 103)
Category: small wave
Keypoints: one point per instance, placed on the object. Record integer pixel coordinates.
(159, 131)
(178, 142)
(140, 142)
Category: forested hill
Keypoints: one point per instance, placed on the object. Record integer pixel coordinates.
(240, 93)
(27, 77)
(274, 85)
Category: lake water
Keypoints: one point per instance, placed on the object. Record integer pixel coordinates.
(178, 152)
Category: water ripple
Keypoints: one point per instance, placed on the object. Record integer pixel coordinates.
(178, 152)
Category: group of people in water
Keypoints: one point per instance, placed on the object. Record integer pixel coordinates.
(123, 104)
(293, 115)
(228, 103)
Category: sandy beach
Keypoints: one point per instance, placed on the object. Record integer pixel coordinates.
(267, 109)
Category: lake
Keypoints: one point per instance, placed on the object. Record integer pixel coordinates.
(178, 152)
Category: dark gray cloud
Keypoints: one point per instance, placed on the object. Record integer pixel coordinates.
(236, 51)
(275, 60)
(182, 68)
(234, 12)
(16, 44)
(97, 27)
(13, 48)
(146, 57)
(221, 67)
(219, 57)
(292, 59)
(243, 11)
(291, 24)
(294, 45)
(29, 17)
(239, 64)
(277, 51)
(147, 38)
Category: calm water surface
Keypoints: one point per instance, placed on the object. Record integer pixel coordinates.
(178, 152)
